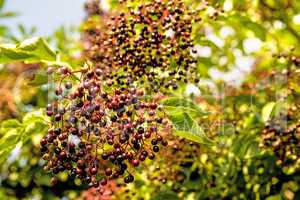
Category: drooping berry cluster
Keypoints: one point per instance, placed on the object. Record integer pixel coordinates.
(98, 134)
(289, 56)
(92, 7)
(284, 141)
(282, 131)
(104, 126)
(149, 45)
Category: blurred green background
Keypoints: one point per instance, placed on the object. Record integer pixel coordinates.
(248, 61)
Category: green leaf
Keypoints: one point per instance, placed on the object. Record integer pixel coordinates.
(273, 109)
(251, 121)
(175, 105)
(9, 124)
(8, 55)
(279, 108)
(274, 197)
(33, 50)
(187, 128)
(11, 138)
(209, 43)
(14, 132)
(257, 29)
(39, 79)
(267, 111)
(36, 127)
(22, 29)
(34, 123)
(37, 115)
(5, 153)
(238, 19)
(4, 30)
(245, 146)
(8, 14)
(2, 4)
(38, 47)
(166, 196)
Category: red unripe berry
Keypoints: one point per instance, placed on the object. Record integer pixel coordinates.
(103, 181)
(135, 163)
(43, 142)
(129, 155)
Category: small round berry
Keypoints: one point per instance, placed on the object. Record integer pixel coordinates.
(155, 149)
(68, 85)
(135, 163)
(164, 142)
(50, 70)
(140, 130)
(128, 179)
(57, 117)
(104, 156)
(103, 181)
(93, 170)
(49, 113)
(108, 171)
(43, 142)
(151, 156)
(154, 142)
(57, 131)
(58, 91)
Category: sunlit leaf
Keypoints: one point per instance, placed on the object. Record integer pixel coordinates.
(175, 105)
(21, 28)
(4, 153)
(39, 79)
(245, 146)
(36, 127)
(11, 138)
(37, 115)
(267, 110)
(31, 50)
(238, 19)
(187, 128)
(273, 109)
(9, 124)
(37, 47)
(2, 4)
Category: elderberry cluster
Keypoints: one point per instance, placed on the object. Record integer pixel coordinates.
(282, 132)
(92, 7)
(284, 141)
(99, 133)
(294, 59)
(150, 45)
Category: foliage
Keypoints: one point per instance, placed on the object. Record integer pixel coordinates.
(14, 132)
(235, 116)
